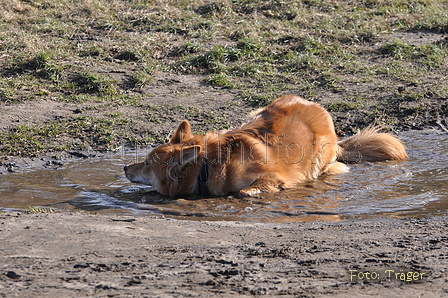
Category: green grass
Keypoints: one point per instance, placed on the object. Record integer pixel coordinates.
(94, 83)
(26, 139)
(76, 132)
(432, 56)
(258, 42)
(345, 105)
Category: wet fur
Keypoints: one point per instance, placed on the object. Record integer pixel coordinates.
(288, 142)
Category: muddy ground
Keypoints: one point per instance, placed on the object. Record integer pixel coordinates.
(79, 255)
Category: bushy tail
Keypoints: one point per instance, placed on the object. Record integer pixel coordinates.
(370, 145)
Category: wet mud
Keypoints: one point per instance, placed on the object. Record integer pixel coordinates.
(79, 255)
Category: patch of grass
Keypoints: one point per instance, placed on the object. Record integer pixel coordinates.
(222, 80)
(91, 83)
(30, 140)
(213, 60)
(345, 104)
(92, 50)
(258, 98)
(429, 55)
(76, 132)
(132, 54)
(8, 89)
(189, 48)
(399, 49)
(146, 137)
(102, 133)
(187, 111)
(41, 66)
(141, 78)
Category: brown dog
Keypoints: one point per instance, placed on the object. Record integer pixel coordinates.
(289, 141)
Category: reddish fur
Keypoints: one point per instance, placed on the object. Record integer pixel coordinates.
(288, 142)
(369, 145)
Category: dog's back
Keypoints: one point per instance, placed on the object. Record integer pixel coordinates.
(298, 120)
(301, 144)
(299, 139)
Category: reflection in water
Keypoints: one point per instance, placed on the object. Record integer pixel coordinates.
(416, 187)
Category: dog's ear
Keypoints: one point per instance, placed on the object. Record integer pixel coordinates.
(183, 133)
(189, 154)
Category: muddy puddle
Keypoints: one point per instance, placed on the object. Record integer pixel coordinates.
(417, 187)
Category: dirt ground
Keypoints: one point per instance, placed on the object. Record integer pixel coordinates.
(79, 255)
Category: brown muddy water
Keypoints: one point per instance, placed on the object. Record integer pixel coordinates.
(417, 187)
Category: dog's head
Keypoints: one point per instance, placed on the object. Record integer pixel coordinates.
(172, 167)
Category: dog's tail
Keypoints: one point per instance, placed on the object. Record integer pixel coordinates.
(370, 145)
